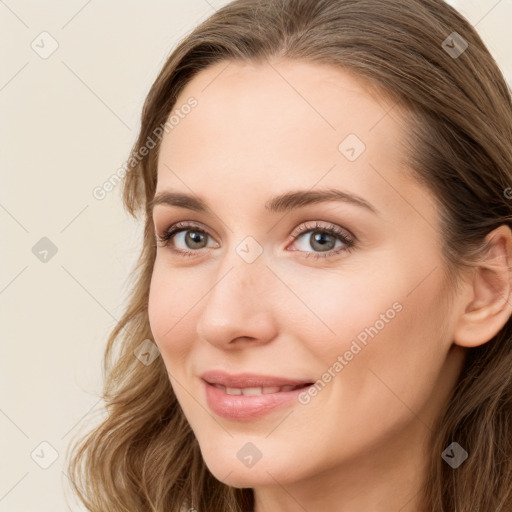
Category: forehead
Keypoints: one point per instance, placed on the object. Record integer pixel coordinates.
(271, 98)
(263, 126)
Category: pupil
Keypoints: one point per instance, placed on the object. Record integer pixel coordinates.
(320, 238)
(194, 236)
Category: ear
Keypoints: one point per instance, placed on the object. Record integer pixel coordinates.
(487, 305)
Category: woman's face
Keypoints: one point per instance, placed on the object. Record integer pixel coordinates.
(360, 310)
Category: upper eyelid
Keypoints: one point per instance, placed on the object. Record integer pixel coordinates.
(329, 227)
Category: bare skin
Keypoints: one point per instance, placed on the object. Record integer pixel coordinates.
(360, 444)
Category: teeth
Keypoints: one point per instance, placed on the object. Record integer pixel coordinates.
(274, 389)
(252, 391)
(255, 391)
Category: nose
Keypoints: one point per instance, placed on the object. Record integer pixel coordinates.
(239, 306)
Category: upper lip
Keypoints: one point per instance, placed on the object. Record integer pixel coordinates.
(249, 380)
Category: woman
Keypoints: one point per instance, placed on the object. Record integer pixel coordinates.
(321, 315)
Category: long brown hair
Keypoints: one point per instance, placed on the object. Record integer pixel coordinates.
(144, 456)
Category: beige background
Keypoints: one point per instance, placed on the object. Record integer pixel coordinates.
(67, 122)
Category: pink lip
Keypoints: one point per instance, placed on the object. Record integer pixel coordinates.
(249, 380)
(242, 407)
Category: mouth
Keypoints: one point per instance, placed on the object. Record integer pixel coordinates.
(251, 381)
(245, 397)
(257, 391)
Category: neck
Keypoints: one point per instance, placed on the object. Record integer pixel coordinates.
(389, 477)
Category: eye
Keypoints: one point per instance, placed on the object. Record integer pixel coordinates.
(185, 233)
(322, 238)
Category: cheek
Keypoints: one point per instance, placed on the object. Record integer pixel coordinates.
(169, 310)
(336, 307)
(376, 320)
(395, 346)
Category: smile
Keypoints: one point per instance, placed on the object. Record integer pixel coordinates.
(255, 391)
(250, 403)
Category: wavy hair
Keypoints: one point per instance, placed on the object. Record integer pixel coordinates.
(144, 456)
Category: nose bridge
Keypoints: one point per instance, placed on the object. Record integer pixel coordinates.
(245, 266)
(238, 303)
(241, 277)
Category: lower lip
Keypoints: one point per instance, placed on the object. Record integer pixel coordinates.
(242, 407)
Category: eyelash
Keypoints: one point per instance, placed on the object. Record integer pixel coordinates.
(332, 230)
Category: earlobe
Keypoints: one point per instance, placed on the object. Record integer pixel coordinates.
(490, 299)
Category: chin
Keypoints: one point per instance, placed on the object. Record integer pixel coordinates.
(245, 477)
(229, 467)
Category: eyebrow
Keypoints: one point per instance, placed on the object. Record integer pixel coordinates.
(282, 203)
